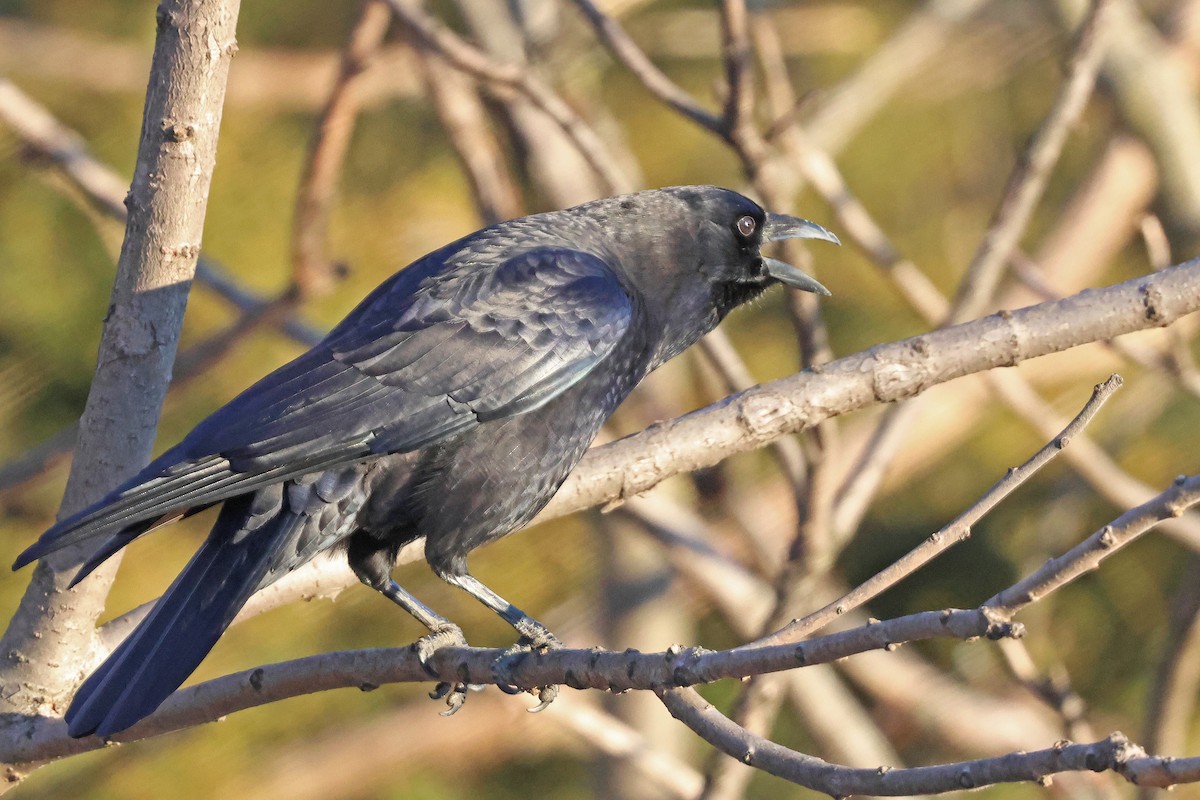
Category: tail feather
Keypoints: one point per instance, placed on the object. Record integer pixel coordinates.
(184, 625)
(185, 487)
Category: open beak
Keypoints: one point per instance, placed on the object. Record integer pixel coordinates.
(781, 226)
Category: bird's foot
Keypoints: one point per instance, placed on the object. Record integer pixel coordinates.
(455, 694)
(538, 639)
(449, 635)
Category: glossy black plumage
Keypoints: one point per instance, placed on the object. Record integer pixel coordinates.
(451, 404)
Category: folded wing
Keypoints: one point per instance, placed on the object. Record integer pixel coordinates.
(409, 367)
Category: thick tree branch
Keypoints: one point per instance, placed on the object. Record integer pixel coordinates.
(52, 633)
(885, 373)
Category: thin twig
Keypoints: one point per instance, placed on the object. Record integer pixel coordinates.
(1172, 700)
(312, 272)
(464, 120)
(614, 37)
(1030, 176)
(1088, 555)
(470, 59)
(1114, 753)
(58, 145)
(957, 531)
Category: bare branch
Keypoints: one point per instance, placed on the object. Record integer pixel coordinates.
(885, 373)
(618, 42)
(463, 118)
(1088, 555)
(1029, 178)
(1115, 753)
(957, 531)
(52, 632)
(312, 272)
(480, 65)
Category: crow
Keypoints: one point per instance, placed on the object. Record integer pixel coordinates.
(451, 404)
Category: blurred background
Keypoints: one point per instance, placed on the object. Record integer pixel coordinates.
(925, 107)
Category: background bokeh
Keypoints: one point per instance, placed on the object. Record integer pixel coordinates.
(930, 164)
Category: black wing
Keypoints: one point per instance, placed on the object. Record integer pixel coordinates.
(408, 367)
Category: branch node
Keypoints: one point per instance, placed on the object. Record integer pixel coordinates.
(1107, 537)
(800, 656)
(1152, 301)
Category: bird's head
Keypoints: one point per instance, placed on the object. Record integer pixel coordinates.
(698, 254)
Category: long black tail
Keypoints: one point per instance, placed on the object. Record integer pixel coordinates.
(189, 618)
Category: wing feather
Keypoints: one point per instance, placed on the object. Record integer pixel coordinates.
(469, 343)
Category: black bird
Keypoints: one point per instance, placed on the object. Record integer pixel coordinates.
(450, 404)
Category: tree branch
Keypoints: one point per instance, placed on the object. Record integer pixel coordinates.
(52, 633)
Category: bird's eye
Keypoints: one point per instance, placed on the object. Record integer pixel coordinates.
(746, 225)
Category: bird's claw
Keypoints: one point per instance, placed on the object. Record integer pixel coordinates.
(545, 696)
(455, 694)
(502, 668)
(448, 636)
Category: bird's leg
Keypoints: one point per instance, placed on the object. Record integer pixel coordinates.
(534, 635)
(442, 632)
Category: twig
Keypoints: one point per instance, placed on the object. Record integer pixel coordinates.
(957, 531)
(464, 120)
(1029, 178)
(886, 373)
(312, 272)
(60, 146)
(1115, 753)
(614, 37)
(1087, 555)
(1172, 701)
(478, 64)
